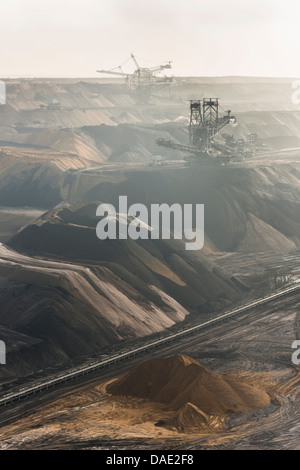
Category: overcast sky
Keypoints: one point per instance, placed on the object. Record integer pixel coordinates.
(73, 38)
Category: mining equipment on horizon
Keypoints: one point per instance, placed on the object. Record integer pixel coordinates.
(205, 122)
(204, 125)
(142, 79)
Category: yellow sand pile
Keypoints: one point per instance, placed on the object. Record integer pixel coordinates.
(199, 397)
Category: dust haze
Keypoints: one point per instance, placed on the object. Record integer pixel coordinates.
(141, 344)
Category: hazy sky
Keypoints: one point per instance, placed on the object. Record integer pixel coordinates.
(201, 37)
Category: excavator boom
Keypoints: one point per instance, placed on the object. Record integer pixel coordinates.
(111, 72)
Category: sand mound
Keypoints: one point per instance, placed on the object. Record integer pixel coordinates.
(67, 141)
(190, 419)
(178, 381)
(260, 236)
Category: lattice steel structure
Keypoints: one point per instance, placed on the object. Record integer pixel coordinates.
(195, 122)
(205, 122)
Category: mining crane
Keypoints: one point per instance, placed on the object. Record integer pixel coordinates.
(205, 121)
(142, 76)
(204, 124)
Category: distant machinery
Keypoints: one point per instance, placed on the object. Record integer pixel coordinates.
(158, 160)
(142, 78)
(52, 104)
(195, 122)
(252, 138)
(204, 124)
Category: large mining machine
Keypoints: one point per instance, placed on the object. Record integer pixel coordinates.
(141, 80)
(204, 124)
